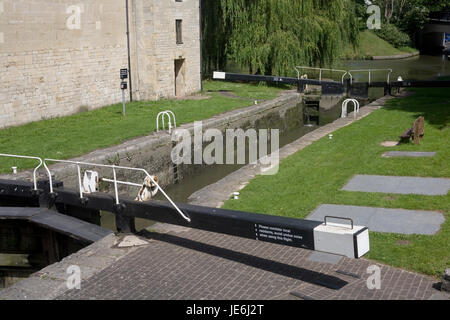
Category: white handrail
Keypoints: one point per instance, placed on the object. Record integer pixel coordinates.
(35, 169)
(115, 181)
(162, 114)
(370, 73)
(349, 72)
(344, 107)
(320, 71)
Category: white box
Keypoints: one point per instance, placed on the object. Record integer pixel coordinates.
(219, 75)
(341, 239)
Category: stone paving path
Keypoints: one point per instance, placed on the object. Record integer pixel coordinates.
(411, 154)
(195, 265)
(186, 264)
(384, 219)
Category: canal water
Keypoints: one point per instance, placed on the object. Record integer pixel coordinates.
(421, 67)
(415, 68)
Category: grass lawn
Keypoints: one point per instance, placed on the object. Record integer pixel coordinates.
(314, 175)
(75, 135)
(372, 45)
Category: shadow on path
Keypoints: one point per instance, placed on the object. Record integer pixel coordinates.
(279, 268)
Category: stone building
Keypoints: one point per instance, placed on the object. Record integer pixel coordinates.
(62, 57)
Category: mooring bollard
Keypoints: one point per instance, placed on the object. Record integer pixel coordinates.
(446, 281)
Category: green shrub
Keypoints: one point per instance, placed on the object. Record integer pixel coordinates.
(393, 35)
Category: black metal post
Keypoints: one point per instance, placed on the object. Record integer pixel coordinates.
(300, 87)
(129, 52)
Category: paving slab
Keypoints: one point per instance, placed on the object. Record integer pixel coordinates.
(189, 264)
(383, 219)
(400, 185)
(412, 154)
(324, 257)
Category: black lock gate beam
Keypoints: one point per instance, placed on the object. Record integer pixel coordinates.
(312, 235)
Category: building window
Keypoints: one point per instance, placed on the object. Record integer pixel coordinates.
(179, 29)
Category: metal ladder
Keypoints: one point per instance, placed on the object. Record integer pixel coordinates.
(344, 107)
(163, 115)
(311, 105)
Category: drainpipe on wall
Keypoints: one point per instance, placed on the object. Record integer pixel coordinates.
(129, 54)
(201, 44)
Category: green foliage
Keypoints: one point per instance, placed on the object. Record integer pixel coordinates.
(361, 14)
(273, 36)
(413, 20)
(409, 15)
(371, 45)
(435, 5)
(214, 36)
(393, 35)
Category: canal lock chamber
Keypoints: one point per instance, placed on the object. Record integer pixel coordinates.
(288, 115)
(26, 248)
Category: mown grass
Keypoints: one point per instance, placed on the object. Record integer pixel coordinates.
(315, 175)
(371, 45)
(75, 135)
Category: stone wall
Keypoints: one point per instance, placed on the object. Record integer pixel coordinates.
(155, 49)
(61, 57)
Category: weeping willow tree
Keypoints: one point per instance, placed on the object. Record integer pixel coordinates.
(273, 36)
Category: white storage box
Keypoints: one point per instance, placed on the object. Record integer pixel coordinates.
(342, 239)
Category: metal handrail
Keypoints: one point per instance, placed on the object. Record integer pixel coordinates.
(35, 169)
(320, 71)
(115, 181)
(370, 73)
(355, 105)
(342, 218)
(349, 72)
(163, 114)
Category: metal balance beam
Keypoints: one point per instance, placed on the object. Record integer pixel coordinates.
(341, 239)
(227, 76)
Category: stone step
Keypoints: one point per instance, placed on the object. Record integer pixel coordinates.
(400, 185)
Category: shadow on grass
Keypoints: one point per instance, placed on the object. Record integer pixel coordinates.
(279, 268)
(431, 103)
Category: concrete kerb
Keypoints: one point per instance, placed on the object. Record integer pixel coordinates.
(396, 57)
